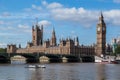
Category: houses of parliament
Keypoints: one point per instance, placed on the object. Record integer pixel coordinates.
(65, 46)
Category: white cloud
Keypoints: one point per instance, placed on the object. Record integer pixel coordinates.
(113, 17)
(33, 7)
(6, 28)
(7, 34)
(2, 45)
(75, 15)
(36, 7)
(44, 23)
(54, 5)
(44, 3)
(15, 16)
(82, 16)
(58, 12)
(26, 15)
(116, 1)
(23, 26)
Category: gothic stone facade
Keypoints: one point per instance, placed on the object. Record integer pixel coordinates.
(66, 46)
(101, 37)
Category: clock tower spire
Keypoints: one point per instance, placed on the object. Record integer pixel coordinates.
(101, 36)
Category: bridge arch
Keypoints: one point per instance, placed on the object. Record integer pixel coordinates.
(64, 59)
(18, 58)
(49, 58)
(30, 58)
(44, 59)
(70, 58)
(3, 59)
(1, 56)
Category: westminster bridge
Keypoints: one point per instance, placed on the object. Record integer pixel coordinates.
(43, 57)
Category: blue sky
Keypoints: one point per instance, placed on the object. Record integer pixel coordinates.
(70, 18)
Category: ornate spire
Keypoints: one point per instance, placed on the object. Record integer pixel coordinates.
(102, 15)
(101, 18)
(19, 45)
(77, 41)
(32, 27)
(53, 39)
(42, 28)
(53, 33)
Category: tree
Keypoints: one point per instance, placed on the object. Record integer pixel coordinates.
(117, 50)
(3, 50)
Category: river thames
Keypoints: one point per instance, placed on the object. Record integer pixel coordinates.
(61, 71)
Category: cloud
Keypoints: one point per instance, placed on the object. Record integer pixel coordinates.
(7, 34)
(44, 23)
(113, 17)
(36, 7)
(116, 1)
(82, 16)
(59, 13)
(75, 15)
(23, 26)
(44, 3)
(33, 7)
(5, 14)
(54, 5)
(2, 45)
(6, 28)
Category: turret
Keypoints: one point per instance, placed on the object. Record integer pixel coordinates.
(19, 45)
(53, 38)
(76, 41)
(37, 35)
(11, 48)
(46, 43)
(70, 43)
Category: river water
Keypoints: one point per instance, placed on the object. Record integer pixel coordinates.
(61, 71)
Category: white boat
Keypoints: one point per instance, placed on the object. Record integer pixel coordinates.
(35, 66)
(107, 60)
(30, 66)
(40, 66)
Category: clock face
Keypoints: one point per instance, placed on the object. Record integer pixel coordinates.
(98, 29)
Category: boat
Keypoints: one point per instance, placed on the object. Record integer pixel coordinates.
(115, 62)
(35, 66)
(102, 60)
(40, 66)
(30, 66)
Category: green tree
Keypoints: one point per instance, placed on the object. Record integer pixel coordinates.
(117, 50)
(3, 50)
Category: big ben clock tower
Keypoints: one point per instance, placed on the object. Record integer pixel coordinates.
(101, 37)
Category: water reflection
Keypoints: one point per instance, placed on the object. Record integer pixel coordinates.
(101, 75)
(35, 74)
(64, 71)
(58, 72)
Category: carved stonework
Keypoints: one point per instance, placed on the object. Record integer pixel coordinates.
(101, 37)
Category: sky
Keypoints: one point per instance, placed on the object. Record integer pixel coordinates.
(69, 18)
